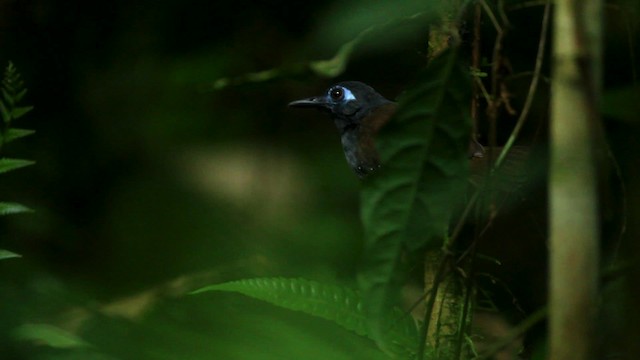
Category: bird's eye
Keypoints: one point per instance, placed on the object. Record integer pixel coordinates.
(336, 93)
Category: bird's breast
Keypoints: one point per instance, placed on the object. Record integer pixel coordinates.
(362, 158)
(350, 147)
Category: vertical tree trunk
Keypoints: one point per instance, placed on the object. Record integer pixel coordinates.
(574, 227)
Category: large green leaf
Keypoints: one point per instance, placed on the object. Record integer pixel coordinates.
(408, 204)
(338, 304)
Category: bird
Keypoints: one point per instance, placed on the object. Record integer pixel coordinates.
(517, 188)
(359, 112)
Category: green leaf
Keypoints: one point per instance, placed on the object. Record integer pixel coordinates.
(13, 91)
(7, 208)
(408, 204)
(4, 112)
(6, 254)
(49, 335)
(380, 25)
(347, 19)
(6, 94)
(338, 304)
(19, 112)
(338, 63)
(20, 95)
(13, 134)
(260, 76)
(7, 164)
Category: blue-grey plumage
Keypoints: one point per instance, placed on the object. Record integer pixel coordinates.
(358, 112)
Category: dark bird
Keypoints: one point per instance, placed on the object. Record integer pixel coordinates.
(359, 112)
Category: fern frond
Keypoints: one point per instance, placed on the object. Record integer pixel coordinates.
(14, 134)
(7, 164)
(13, 91)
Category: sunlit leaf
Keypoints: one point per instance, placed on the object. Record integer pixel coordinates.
(48, 335)
(7, 208)
(260, 76)
(6, 254)
(337, 64)
(7, 164)
(408, 204)
(338, 304)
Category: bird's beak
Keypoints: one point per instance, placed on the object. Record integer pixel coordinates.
(312, 102)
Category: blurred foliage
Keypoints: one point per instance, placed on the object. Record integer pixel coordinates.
(622, 104)
(13, 92)
(409, 204)
(48, 335)
(6, 254)
(355, 25)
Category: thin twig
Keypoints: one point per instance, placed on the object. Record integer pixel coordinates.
(483, 89)
(505, 287)
(493, 106)
(517, 331)
(491, 16)
(532, 87)
(503, 14)
(418, 301)
(527, 4)
(464, 216)
(475, 62)
(462, 328)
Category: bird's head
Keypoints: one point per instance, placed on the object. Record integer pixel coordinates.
(347, 102)
(358, 112)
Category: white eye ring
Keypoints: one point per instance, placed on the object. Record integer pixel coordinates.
(348, 95)
(343, 94)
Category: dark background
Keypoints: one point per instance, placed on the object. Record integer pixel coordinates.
(145, 173)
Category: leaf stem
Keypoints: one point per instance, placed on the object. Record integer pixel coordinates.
(533, 86)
